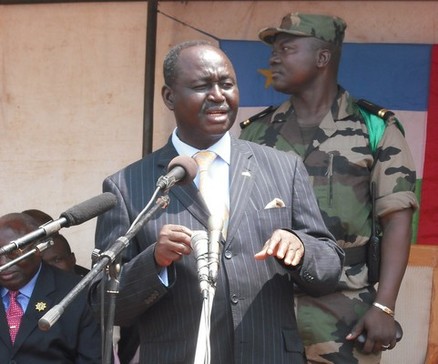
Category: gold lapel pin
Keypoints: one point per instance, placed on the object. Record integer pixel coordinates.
(40, 306)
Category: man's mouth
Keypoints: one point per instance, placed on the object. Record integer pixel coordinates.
(7, 275)
(217, 114)
(216, 111)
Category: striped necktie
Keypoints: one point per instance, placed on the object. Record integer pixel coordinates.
(204, 159)
(14, 314)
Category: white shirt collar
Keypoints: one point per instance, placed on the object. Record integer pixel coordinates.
(222, 147)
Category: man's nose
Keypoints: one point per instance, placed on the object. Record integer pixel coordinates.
(216, 93)
(274, 58)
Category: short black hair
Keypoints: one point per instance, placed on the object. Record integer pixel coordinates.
(171, 59)
(19, 222)
(38, 215)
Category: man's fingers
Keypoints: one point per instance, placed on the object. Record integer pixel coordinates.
(282, 245)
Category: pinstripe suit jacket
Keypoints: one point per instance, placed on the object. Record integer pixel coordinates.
(253, 319)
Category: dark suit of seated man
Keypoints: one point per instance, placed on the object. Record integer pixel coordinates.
(74, 338)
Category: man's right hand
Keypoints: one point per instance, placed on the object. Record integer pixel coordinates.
(173, 242)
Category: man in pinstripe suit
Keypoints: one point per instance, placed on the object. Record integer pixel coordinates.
(275, 237)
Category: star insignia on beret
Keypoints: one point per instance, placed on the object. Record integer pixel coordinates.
(40, 306)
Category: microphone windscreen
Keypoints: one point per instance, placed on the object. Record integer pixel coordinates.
(199, 243)
(188, 164)
(89, 209)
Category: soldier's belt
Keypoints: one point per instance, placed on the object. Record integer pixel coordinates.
(355, 255)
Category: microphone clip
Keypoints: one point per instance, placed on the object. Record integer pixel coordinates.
(166, 182)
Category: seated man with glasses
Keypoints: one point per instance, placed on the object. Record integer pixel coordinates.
(59, 254)
(28, 289)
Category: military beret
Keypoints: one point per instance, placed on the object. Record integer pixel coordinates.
(325, 27)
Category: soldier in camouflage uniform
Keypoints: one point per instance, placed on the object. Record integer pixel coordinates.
(324, 125)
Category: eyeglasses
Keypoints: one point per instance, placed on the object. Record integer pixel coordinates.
(17, 253)
(14, 254)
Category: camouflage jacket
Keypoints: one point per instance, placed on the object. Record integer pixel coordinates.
(342, 166)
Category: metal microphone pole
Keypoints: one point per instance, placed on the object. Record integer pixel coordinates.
(40, 248)
(199, 242)
(105, 258)
(113, 284)
(203, 346)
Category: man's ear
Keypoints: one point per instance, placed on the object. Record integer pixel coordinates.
(324, 56)
(167, 94)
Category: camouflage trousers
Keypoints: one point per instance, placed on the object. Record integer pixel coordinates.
(324, 322)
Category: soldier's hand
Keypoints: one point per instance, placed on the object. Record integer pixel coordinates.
(380, 331)
(282, 245)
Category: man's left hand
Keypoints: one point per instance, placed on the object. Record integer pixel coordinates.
(282, 245)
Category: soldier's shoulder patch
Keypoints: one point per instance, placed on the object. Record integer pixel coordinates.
(376, 117)
(375, 109)
(257, 116)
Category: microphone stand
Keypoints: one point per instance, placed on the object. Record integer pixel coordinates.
(39, 248)
(112, 292)
(114, 270)
(105, 258)
(203, 349)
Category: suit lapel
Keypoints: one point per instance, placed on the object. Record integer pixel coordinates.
(188, 195)
(40, 302)
(242, 177)
(4, 330)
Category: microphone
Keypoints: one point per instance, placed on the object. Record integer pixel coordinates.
(73, 216)
(181, 169)
(199, 243)
(215, 225)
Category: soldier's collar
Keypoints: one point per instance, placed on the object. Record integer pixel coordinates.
(343, 108)
(278, 116)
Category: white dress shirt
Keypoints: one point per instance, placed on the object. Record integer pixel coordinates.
(218, 173)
